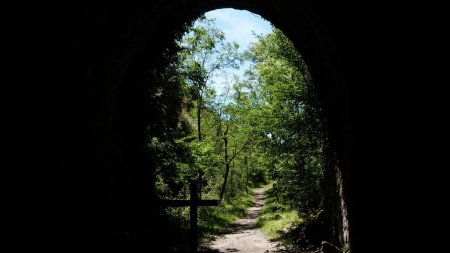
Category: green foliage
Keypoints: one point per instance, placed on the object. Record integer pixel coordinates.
(289, 121)
(276, 219)
(213, 220)
(204, 52)
(267, 127)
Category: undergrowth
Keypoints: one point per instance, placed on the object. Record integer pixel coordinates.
(277, 219)
(213, 220)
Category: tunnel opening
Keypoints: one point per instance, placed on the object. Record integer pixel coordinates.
(76, 72)
(118, 51)
(161, 115)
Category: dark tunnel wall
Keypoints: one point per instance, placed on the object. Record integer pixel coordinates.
(82, 103)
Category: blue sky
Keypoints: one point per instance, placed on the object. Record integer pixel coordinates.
(238, 26)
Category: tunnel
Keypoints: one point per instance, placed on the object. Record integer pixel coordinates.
(79, 93)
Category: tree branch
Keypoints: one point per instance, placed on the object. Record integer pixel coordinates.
(234, 156)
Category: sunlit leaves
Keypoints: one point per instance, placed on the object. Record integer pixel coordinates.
(288, 116)
(271, 116)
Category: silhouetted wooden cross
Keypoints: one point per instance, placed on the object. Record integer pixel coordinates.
(193, 203)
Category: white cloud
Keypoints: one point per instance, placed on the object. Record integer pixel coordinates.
(239, 25)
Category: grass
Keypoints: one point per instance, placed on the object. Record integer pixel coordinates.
(276, 219)
(213, 220)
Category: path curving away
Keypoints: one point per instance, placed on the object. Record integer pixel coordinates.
(244, 235)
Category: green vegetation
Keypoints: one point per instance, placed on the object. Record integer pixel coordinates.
(214, 220)
(265, 127)
(277, 219)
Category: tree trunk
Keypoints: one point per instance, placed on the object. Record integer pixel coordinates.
(227, 164)
(219, 128)
(246, 173)
(199, 129)
(232, 173)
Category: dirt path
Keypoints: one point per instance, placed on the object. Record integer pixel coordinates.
(243, 235)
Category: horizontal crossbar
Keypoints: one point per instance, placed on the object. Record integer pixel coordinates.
(183, 202)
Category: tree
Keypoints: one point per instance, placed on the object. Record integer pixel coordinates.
(205, 52)
(289, 119)
(268, 125)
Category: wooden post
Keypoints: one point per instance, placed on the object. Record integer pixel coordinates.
(193, 217)
(193, 203)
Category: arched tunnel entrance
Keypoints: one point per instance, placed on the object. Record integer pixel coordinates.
(103, 51)
(131, 111)
(254, 126)
(121, 66)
